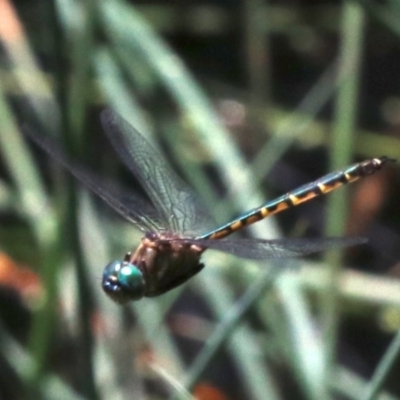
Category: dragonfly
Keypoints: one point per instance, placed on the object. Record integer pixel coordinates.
(174, 221)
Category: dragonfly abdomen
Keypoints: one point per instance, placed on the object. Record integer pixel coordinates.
(304, 193)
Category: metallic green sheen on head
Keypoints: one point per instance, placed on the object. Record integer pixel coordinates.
(123, 282)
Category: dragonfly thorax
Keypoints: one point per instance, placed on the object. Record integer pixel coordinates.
(159, 264)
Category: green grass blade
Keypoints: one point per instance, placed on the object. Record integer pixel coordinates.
(343, 144)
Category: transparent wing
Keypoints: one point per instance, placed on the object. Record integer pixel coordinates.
(260, 249)
(131, 206)
(170, 195)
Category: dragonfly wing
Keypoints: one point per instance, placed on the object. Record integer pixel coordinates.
(132, 207)
(260, 249)
(169, 194)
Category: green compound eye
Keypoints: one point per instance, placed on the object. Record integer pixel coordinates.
(131, 278)
(123, 282)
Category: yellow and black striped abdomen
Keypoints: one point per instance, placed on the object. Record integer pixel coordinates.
(304, 193)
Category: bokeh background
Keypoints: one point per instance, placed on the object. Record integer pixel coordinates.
(247, 100)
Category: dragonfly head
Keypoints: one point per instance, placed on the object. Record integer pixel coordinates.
(123, 281)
